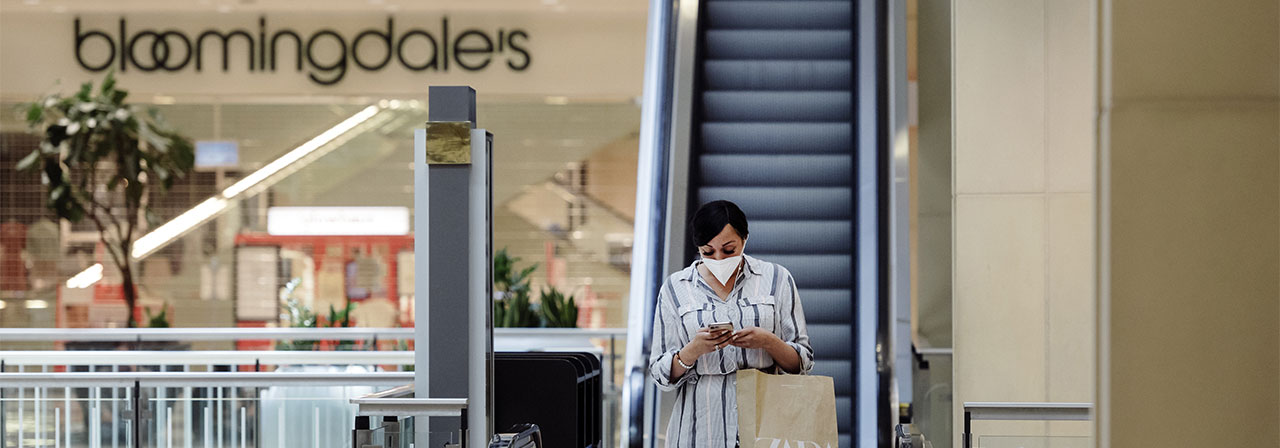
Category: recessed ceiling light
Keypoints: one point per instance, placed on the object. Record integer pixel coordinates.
(86, 278)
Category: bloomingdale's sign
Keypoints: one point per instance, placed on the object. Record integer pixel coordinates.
(325, 54)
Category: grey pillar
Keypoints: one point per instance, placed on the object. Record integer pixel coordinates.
(453, 260)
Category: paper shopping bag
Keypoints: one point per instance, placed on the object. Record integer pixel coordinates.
(786, 411)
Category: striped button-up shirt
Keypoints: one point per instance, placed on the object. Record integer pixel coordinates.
(706, 406)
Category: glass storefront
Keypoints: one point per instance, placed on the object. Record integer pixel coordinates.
(564, 169)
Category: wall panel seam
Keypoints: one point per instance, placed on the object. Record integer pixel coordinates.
(1046, 130)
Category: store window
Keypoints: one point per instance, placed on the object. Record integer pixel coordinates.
(566, 135)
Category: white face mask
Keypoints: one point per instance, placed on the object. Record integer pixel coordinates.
(722, 269)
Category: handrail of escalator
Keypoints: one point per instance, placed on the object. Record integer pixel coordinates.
(650, 217)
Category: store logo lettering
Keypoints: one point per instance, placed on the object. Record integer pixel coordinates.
(325, 54)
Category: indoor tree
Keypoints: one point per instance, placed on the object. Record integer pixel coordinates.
(98, 159)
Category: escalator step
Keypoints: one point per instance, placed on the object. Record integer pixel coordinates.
(805, 106)
(728, 170)
(800, 237)
(844, 416)
(827, 306)
(835, 369)
(797, 203)
(772, 44)
(831, 341)
(811, 15)
(826, 271)
(777, 138)
(777, 75)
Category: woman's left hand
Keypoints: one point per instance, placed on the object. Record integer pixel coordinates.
(753, 337)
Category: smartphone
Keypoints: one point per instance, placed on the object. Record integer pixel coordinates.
(720, 326)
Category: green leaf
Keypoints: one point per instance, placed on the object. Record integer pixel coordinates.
(109, 83)
(34, 112)
(524, 274)
(29, 162)
(85, 90)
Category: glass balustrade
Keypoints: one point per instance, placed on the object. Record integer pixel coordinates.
(216, 415)
(265, 398)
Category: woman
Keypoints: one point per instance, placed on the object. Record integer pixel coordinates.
(759, 299)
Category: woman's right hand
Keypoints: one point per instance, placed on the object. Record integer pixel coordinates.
(707, 341)
(704, 341)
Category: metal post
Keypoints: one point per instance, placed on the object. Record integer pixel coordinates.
(480, 319)
(39, 429)
(966, 439)
(115, 412)
(136, 402)
(22, 424)
(3, 411)
(452, 201)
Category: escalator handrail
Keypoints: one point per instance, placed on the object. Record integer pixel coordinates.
(650, 217)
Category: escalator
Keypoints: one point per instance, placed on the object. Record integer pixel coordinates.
(774, 133)
(780, 107)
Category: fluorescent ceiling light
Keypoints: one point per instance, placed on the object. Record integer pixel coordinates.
(178, 226)
(253, 179)
(214, 206)
(86, 277)
(37, 304)
(211, 207)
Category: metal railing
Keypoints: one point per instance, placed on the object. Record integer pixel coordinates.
(198, 334)
(171, 390)
(398, 410)
(931, 398)
(400, 401)
(1021, 411)
(42, 358)
(187, 409)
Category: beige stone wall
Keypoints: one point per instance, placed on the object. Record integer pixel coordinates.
(1023, 238)
(1194, 148)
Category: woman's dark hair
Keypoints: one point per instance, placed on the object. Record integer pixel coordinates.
(710, 219)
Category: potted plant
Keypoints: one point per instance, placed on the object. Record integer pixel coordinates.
(298, 315)
(100, 158)
(557, 310)
(511, 306)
